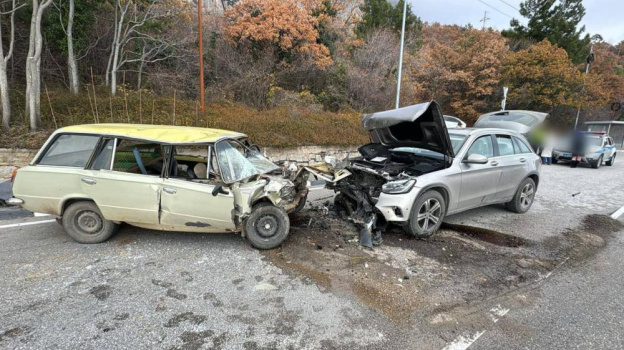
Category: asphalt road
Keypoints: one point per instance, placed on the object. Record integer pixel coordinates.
(147, 289)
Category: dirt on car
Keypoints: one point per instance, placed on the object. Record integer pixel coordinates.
(415, 282)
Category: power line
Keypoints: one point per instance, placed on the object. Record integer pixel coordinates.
(494, 8)
(510, 5)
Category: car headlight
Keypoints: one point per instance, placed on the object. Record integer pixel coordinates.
(397, 187)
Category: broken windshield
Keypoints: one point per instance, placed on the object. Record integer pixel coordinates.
(237, 162)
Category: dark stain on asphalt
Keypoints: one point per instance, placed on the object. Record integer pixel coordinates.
(212, 297)
(186, 317)
(193, 340)
(101, 292)
(237, 281)
(121, 317)
(162, 283)
(186, 276)
(489, 236)
(172, 293)
(12, 333)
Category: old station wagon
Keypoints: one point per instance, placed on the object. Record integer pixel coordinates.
(95, 177)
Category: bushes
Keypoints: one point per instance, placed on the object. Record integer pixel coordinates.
(293, 123)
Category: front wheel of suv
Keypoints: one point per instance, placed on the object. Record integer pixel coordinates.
(427, 214)
(611, 161)
(523, 199)
(596, 164)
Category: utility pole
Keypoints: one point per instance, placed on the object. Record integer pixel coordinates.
(485, 18)
(590, 59)
(398, 93)
(200, 9)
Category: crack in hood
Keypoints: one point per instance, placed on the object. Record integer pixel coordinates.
(420, 126)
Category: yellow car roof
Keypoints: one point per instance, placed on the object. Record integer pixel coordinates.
(157, 133)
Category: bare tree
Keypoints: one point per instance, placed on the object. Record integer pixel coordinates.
(130, 32)
(4, 59)
(72, 63)
(33, 64)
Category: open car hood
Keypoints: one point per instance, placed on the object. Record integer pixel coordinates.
(420, 126)
(520, 121)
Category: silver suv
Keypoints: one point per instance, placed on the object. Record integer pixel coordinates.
(415, 172)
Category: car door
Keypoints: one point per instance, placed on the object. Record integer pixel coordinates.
(479, 181)
(610, 148)
(513, 165)
(187, 203)
(124, 181)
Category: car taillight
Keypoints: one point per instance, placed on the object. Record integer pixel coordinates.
(13, 174)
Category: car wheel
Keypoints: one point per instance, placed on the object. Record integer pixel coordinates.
(267, 226)
(611, 161)
(597, 163)
(523, 199)
(427, 214)
(84, 222)
(554, 160)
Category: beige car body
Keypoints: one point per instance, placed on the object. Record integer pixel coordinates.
(149, 201)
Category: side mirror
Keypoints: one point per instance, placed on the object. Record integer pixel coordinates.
(219, 189)
(476, 159)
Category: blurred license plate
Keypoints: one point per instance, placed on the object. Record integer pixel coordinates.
(566, 155)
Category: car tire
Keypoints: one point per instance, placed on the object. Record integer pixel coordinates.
(267, 227)
(84, 223)
(524, 197)
(612, 160)
(554, 160)
(597, 163)
(427, 214)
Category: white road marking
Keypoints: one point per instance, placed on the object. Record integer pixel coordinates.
(40, 214)
(27, 223)
(463, 342)
(618, 213)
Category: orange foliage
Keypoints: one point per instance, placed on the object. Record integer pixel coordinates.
(287, 25)
(459, 67)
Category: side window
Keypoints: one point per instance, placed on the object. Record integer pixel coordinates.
(482, 146)
(521, 146)
(104, 156)
(70, 150)
(191, 162)
(138, 157)
(505, 145)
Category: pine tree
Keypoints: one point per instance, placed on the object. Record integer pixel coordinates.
(557, 21)
(381, 14)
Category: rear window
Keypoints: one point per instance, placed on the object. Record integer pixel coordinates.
(522, 147)
(70, 151)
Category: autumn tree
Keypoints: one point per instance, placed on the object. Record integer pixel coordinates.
(557, 21)
(382, 14)
(288, 27)
(543, 78)
(460, 67)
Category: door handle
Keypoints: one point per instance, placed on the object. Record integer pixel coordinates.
(170, 190)
(88, 181)
(493, 163)
(522, 160)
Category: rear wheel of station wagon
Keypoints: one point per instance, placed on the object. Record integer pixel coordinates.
(84, 222)
(267, 226)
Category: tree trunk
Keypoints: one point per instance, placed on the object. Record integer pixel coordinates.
(72, 65)
(33, 65)
(4, 96)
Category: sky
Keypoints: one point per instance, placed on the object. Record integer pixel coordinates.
(604, 17)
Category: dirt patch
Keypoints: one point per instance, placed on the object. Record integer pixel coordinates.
(408, 280)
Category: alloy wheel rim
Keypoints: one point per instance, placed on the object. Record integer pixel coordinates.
(526, 196)
(267, 226)
(89, 222)
(429, 214)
